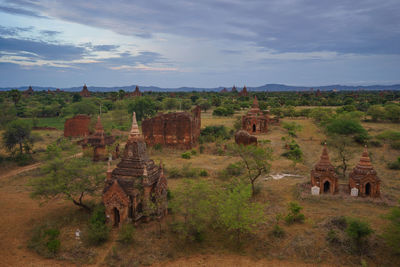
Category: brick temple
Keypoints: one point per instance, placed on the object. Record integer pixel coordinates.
(78, 126)
(244, 138)
(136, 92)
(255, 121)
(324, 176)
(179, 130)
(98, 142)
(137, 188)
(364, 177)
(85, 92)
(244, 92)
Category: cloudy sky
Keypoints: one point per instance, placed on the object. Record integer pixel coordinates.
(201, 43)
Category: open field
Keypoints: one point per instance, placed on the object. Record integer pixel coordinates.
(304, 244)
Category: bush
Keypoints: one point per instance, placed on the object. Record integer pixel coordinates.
(201, 149)
(203, 173)
(278, 231)
(332, 237)
(392, 230)
(358, 231)
(193, 152)
(212, 133)
(44, 241)
(223, 111)
(23, 159)
(189, 172)
(174, 173)
(186, 155)
(394, 165)
(98, 231)
(125, 234)
(294, 215)
(158, 147)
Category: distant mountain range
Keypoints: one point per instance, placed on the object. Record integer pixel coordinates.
(266, 87)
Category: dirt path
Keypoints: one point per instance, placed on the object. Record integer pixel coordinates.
(29, 168)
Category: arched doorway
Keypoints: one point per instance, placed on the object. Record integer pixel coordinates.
(254, 128)
(367, 189)
(116, 217)
(327, 187)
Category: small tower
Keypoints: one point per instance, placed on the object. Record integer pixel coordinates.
(323, 175)
(364, 177)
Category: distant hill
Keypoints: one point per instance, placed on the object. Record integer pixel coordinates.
(266, 87)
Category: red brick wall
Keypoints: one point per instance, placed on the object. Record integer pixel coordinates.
(77, 126)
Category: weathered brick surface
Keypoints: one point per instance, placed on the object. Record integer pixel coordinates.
(77, 126)
(255, 121)
(244, 138)
(178, 130)
(243, 92)
(364, 178)
(136, 92)
(324, 176)
(85, 92)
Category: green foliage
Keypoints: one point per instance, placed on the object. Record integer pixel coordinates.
(8, 113)
(18, 133)
(237, 213)
(392, 231)
(294, 215)
(392, 112)
(158, 147)
(186, 104)
(204, 104)
(44, 241)
(193, 152)
(212, 133)
(143, 106)
(15, 96)
(377, 112)
(192, 201)
(254, 159)
(294, 152)
(232, 170)
(170, 103)
(98, 231)
(223, 111)
(186, 155)
(347, 127)
(278, 231)
(86, 106)
(126, 233)
(332, 237)
(292, 128)
(394, 165)
(189, 172)
(203, 173)
(358, 231)
(71, 179)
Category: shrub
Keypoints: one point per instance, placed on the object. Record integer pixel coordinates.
(201, 149)
(189, 172)
(193, 152)
(212, 133)
(223, 111)
(358, 231)
(392, 230)
(203, 173)
(186, 155)
(98, 231)
(394, 165)
(174, 173)
(44, 241)
(125, 234)
(23, 159)
(294, 214)
(278, 231)
(332, 237)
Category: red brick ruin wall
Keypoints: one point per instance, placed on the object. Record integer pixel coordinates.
(77, 126)
(179, 130)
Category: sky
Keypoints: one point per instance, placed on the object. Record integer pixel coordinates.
(199, 43)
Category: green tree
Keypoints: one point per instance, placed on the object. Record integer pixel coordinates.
(204, 104)
(377, 112)
(345, 126)
(18, 133)
(170, 103)
(392, 230)
(358, 231)
(343, 147)
(71, 179)
(143, 106)
(192, 201)
(8, 113)
(392, 112)
(15, 96)
(186, 104)
(237, 213)
(76, 98)
(255, 160)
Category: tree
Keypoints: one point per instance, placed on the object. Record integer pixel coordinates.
(392, 231)
(186, 104)
(8, 113)
(204, 104)
(18, 132)
(76, 98)
(236, 212)
(192, 202)
(15, 96)
(392, 112)
(255, 160)
(345, 126)
(358, 231)
(121, 94)
(342, 146)
(170, 103)
(71, 179)
(377, 112)
(143, 106)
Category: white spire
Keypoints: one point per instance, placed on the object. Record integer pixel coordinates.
(135, 129)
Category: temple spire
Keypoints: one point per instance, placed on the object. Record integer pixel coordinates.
(135, 129)
(255, 102)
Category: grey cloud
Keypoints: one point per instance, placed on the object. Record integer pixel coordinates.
(13, 31)
(19, 11)
(343, 26)
(50, 33)
(105, 47)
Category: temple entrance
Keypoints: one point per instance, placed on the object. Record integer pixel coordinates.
(116, 217)
(367, 189)
(327, 186)
(254, 128)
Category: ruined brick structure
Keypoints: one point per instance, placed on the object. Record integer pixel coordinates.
(244, 138)
(243, 92)
(98, 142)
(85, 92)
(323, 175)
(364, 177)
(77, 126)
(179, 130)
(224, 91)
(255, 121)
(137, 188)
(234, 90)
(136, 92)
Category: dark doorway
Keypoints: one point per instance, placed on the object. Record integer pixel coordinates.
(367, 189)
(254, 128)
(327, 186)
(116, 217)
